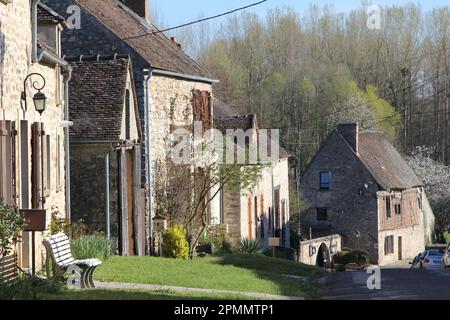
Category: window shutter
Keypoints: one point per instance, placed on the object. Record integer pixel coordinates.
(203, 108)
(7, 147)
(3, 134)
(13, 180)
(37, 192)
(24, 164)
(46, 174)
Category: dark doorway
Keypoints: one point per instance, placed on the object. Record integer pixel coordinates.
(323, 256)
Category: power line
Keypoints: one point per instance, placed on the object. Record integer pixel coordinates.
(197, 21)
(422, 84)
(414, 105)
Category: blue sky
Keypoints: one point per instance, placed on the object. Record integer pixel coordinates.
(175, 12)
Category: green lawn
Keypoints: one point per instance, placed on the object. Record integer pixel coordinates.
(101, 294)
(249, 273)
(447, 237)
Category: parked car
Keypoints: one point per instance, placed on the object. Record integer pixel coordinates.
(431, 259)
(446, 257)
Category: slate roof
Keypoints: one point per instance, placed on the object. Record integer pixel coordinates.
(96, 97)
(157, 49)
(385, 163)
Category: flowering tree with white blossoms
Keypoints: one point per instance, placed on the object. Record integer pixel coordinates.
(436, 179)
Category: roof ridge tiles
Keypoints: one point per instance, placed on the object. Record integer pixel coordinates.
(97, 57)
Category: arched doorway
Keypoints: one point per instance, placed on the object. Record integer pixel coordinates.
(323, 256)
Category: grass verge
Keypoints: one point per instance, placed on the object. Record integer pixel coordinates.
(247, 273)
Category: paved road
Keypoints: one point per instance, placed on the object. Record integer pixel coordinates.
(396, 284)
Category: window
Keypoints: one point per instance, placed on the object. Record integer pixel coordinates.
(58, 163)
(48, 157)
(388, 206)
(325, 177)
(398, 209)
(322, 214)
(388, 245)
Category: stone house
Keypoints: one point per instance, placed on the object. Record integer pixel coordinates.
(167, 80)
(262, 212)
(105, 150)
(33, 144)
(359, 186)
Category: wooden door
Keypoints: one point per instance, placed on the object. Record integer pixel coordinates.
(250, 235)
(400, 249)
(257, 235)
(277, 214)
(130, 202)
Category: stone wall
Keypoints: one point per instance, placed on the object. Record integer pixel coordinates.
(88, 186)
(170, 101)
(15, 65)
(348, 210)
(236, 206)
(333, 243)
(413, 226)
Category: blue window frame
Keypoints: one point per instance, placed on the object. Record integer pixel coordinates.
(325, 177)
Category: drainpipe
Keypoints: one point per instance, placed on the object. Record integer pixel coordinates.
(67, 76)
(34, 54)
(67, 73)
(148, 127)
(108, 227)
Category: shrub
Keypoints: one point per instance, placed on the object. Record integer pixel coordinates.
(215, 236)
(248, 246)
(175, 244)
(92, 246)
(346, 249)
(73, 230)
(347, 257)
(357, 256)
(339, 267)
(226, 248)
(338, 258)
(12, 222)
(28, 288)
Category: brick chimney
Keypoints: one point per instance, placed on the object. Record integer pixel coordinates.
(174, 41)
(141, 7)
(350, 133)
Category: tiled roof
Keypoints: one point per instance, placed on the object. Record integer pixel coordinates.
(221, 109)
(96, 97)
(157, 49)
(384, 162)
(46, 14)
(244, 122)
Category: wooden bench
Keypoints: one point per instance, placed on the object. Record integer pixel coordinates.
(60, 254)
(8, 268)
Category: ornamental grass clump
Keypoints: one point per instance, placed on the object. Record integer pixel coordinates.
(92, 246)
(254, 246)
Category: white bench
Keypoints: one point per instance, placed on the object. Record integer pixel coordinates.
(58, 250)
